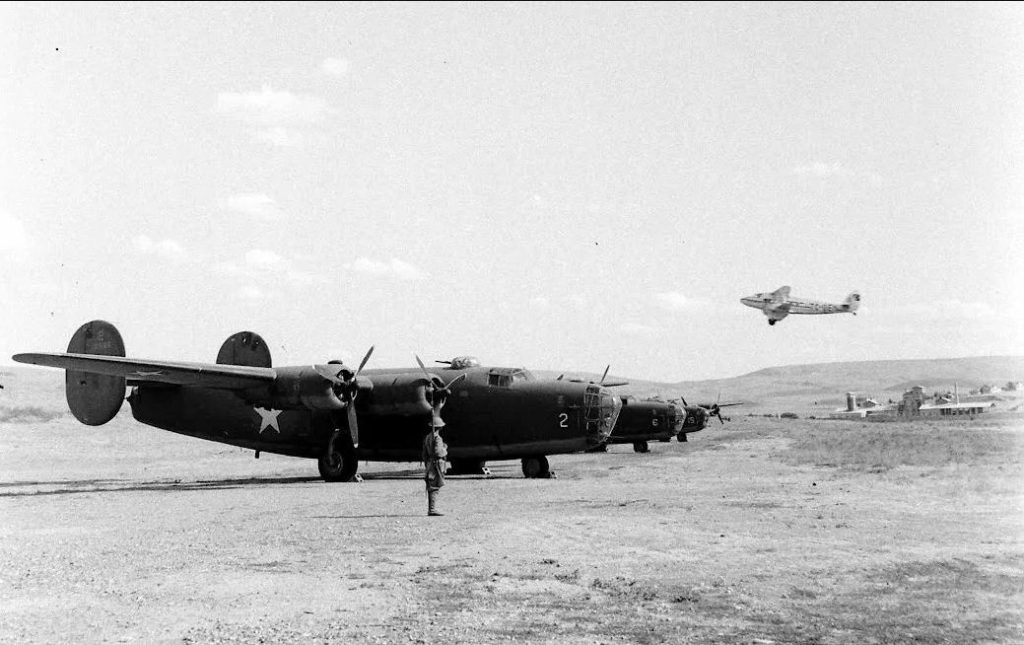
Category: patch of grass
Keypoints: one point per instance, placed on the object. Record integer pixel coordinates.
(915, 602)
(880, 448)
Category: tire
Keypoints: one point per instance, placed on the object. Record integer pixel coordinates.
(339, 464)
(536, 468)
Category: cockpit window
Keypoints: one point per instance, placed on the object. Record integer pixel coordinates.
(499, 380)
(522, 375)
(505, 377)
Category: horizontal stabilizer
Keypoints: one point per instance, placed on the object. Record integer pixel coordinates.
(230, 377)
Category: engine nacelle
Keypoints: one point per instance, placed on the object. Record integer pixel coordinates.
(303, 387)
(400, 395)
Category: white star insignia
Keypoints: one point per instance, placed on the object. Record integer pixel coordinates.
(268, 419)
(145, 374)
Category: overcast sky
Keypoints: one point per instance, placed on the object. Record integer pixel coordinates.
(556, 186)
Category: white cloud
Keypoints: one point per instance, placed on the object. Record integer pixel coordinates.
(824, 170)
(166, 249)
(395, 268)
(277, 116)
(268, 108)
(637, 329)
(263, 258)
(254, 205)
(14, 239)
(251, 292)
(675, 301)
(303, 279)
(821, 169)
(262, 270)
(335, 66)
(280, 136)
(950, 309)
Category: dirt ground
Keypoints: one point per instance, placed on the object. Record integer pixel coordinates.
(759, 531)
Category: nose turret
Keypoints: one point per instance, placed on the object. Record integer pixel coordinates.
(600, 412)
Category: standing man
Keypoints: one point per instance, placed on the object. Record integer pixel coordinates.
(434, 454)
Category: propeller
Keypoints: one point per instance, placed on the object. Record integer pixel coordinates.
(435, 390)
(601, 382)
(347, 388)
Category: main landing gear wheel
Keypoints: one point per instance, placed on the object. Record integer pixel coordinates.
(468, 467)
(338, 463)
(640, 446)
(536, 468)
(771, 322)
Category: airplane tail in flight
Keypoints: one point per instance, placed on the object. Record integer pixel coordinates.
(852, 303)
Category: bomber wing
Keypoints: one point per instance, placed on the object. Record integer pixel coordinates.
(229, 377)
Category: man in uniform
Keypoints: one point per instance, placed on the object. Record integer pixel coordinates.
(434, 454)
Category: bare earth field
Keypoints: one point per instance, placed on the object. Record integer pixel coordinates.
(759, 531)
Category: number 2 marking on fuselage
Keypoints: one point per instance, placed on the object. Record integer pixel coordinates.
(563, 419)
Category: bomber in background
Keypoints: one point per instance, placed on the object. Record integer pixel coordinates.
(778, 304)
(331, 412)
(652, 419)
(643, 420)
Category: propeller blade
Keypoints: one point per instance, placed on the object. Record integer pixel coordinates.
(605, 373)
(353, 424)
(683, 399)
(423, 367)
(560, 377)
(363, 363)
(448, 388)
(330, 373)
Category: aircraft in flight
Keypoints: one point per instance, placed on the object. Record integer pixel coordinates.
(778, 304)
(331, 412)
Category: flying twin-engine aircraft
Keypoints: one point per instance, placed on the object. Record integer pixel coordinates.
(777, 305)
(331, 412)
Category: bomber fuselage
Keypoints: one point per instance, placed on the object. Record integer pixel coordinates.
(493, 413)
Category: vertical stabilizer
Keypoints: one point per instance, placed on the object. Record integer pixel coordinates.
(852, 303)
(95, 399)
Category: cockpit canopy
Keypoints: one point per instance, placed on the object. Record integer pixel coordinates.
(506, 376)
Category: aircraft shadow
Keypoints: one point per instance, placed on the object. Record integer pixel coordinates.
(380, 516)
(418, 474)
(76, 487)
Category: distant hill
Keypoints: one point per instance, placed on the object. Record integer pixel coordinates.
(801, 388)
(826, 384)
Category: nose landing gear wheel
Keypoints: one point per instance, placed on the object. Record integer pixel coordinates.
(536, 468)
(640, 446)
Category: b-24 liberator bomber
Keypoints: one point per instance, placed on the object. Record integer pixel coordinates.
(331, 412)
(778, 304)
(643, 420)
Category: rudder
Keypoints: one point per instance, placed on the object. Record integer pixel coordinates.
(95, 399)
(853, 302)
(244, 348)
